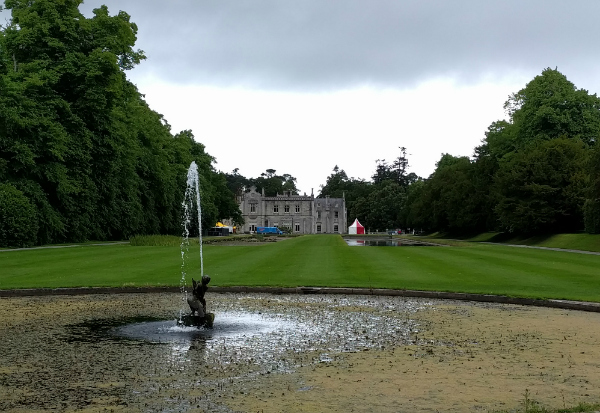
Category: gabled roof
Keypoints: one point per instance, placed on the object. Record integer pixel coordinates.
(356, 224)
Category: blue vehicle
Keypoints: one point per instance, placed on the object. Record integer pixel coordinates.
(269, 230)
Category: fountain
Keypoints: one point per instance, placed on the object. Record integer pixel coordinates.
(198, 317)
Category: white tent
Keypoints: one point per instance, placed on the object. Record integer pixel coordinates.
(356, 228)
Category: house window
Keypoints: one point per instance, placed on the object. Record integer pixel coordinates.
(335, 228)
(275, 208)
(335, 215)
(318, 214)
(286, 208)
(297, 208)
(252, 207)
(318, 228)
(252, 227)
(297, 228)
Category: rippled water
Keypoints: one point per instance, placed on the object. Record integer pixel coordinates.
(231, 326)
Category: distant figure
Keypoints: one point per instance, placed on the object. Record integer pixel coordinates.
(197, 302)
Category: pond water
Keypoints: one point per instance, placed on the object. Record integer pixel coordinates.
(386, 242)
(233, 326)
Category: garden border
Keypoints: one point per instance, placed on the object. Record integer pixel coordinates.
(488, 298)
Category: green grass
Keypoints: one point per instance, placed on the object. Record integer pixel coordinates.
(578, 241)
(584, 242)
(318, 260)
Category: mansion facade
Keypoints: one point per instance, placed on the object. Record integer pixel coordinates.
(302, 214)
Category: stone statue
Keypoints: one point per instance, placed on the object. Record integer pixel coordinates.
(197, 302)
(198, 317)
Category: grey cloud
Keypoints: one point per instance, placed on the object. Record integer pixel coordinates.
(316, 44)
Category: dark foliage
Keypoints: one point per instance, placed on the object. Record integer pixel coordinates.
(18, 218)
(538, 172)
(531, 174)
(78, 139)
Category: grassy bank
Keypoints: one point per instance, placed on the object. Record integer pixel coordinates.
(579, 241)
(319, 260)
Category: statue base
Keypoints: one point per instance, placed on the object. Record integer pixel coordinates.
(197, 321)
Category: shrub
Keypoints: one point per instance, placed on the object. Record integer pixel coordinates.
(18, 218)
(158, 241)
(591, 216)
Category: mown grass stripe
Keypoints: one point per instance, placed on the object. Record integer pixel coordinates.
(321, 261)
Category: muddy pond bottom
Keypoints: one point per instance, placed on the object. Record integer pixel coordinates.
(126, 351)
(292, 353)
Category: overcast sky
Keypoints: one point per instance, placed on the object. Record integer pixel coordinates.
(302, 86)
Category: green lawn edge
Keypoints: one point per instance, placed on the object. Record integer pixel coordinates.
(316, 261)
(569, 241)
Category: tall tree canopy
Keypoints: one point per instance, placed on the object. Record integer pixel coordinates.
(338, 185)
(592, 203)
(378, 204)
(542, 189)
(268, 181)
(551, 107)
(76, 137)
(274, 184)
(531, 174)
(538, 171)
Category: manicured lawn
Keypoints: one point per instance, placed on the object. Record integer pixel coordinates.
(578, 241)
(319, 260)
(585, 242)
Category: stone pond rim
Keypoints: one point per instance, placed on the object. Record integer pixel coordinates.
(488, 298)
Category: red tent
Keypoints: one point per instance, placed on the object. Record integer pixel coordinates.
(356, 228)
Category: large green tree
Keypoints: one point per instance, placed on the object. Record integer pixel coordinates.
(379, 204)
(236, 182)
(274, 184)
(65, 80)
(550, 107)
(592, 202)
(78, 140)
(339, 185)
(542, 189)
(529, 174)
(18, 218)
(381, 208)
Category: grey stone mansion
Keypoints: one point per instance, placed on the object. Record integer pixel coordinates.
(303, 214)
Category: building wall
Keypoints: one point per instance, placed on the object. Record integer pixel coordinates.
(303, 214)
(330, 215)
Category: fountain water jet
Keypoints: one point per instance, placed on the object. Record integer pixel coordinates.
(198, 316)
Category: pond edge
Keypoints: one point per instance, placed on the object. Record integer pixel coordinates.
(488, 298)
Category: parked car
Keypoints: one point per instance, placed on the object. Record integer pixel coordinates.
(269, 230)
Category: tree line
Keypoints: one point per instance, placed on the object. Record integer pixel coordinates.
(82, 155)
(269, 182)
(537, 172)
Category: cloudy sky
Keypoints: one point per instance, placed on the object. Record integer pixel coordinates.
(302, 86)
